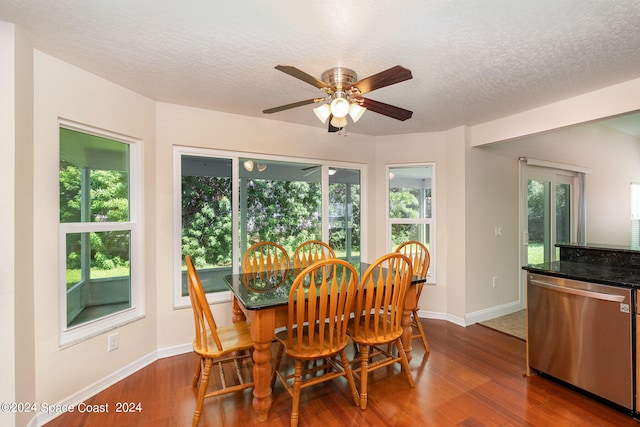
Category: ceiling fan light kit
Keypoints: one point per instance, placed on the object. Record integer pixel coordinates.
(344, 92)
(323, 112)
(339, 122)
(356, 111)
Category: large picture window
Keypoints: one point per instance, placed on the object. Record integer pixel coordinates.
(228, 202)
(98, 232)
(410, 208)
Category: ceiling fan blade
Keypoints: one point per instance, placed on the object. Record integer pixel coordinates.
(386, 109)
(388, 77)
(299, 74)
(292, 105)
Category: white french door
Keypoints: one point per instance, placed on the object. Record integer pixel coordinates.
(548, 214)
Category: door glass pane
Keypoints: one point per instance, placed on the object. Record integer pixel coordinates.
(563, 216)
(538, 204)
(344, 213)
(279, 202)
(635, 215)
(206, 219)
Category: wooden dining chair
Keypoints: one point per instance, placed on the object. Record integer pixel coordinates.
(377, 320)
(266, 257)
(310, 252)
(420, 260)
(320, 301)
(229, 345)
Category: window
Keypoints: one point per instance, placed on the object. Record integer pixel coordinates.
(206, 211)
(410, 208)
(98, 232)
(225, 202)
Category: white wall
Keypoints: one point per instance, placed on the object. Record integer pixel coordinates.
(16, 215)
(7, 218)
(493, 200)
(64, 91)
(614, 160)
(447, 151)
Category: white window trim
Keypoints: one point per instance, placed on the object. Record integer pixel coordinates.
(431, 276)
(179, 301)
(72, 335)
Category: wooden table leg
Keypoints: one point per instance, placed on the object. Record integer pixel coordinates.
(409, 302)
(262, 332)
(238, 314)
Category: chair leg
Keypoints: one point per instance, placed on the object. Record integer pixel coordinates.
(276, 365)
(349, 374)
(405, 362)
(364, 367)
(297, 383)
(204, 383)
(196, 375)
(418, 325)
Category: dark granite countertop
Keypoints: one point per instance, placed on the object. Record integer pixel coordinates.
(605, 274)
(600, 246)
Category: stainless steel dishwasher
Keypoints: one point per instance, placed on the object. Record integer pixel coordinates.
(581, 333)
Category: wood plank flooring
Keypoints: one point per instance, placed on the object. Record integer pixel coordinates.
(473, 376)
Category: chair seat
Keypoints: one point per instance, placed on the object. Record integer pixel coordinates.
(370, 337)
(305, 352)
(236, 337)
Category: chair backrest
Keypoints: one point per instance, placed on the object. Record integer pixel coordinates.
(265, 257)
(419, 255)
(321, 299)
(204, 321)
(311, 252)
(420, 258)
(380, 297)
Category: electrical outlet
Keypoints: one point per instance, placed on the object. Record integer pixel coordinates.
(113, 342)
(495, 281)
(497, 231)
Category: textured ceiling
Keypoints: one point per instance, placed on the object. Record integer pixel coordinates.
(472, 61)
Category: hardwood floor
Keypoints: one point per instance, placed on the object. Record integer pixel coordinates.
(473, 376)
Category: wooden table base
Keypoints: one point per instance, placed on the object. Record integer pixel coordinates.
(263, 324)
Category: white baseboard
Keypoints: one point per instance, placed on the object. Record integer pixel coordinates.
(424, 314)
(100, 385)
(475, 317)
(493, 312)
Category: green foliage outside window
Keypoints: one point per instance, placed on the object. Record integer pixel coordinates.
(286, 212)
(206, 220)
(108, 195)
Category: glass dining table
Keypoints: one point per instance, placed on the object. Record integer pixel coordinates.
(262, 300)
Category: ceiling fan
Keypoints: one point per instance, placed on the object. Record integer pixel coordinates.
(344, 94)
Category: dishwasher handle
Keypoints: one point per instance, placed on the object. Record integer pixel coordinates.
(579, 292)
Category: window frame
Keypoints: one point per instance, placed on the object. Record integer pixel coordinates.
(180, 301)
(431, 222)
(74, 334)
